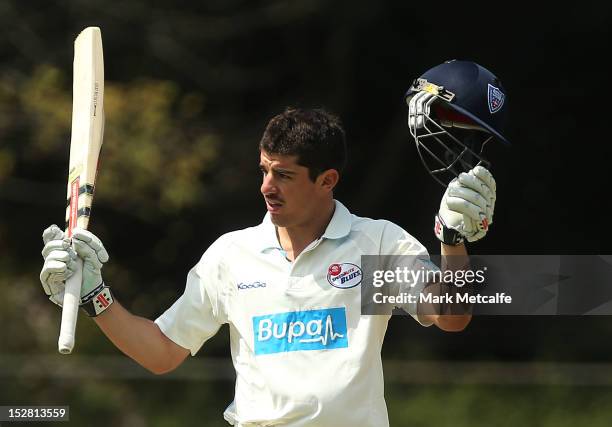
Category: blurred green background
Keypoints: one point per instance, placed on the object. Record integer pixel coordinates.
(189, 89)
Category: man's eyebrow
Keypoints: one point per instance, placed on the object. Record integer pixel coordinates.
(277, 169)
(285, 171)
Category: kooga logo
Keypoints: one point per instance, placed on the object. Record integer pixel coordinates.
(242, 285)
(300, 330)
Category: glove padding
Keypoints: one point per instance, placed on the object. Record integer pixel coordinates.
(60, 261)
(467, 207)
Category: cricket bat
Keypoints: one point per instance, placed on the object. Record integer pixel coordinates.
(85, 143)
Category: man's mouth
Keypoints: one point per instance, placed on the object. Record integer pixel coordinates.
(273, 205)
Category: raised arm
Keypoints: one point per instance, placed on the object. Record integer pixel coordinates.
(466, 212)
(141, 339)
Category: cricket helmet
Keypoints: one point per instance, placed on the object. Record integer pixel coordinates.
(455, 108)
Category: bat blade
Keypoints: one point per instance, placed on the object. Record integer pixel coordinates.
(85, 144)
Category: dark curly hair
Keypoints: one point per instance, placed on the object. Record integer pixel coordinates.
(315, 136)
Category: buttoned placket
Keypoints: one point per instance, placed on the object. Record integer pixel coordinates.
(294, 280)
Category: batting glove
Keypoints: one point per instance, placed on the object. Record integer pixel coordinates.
(466, 210)
(60, 263)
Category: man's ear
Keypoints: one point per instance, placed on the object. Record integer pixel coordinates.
(328, 179)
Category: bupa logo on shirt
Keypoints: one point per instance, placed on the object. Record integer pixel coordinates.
(344, 275)
(323, 329)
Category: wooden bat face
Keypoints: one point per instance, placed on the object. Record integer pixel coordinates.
(87, 126)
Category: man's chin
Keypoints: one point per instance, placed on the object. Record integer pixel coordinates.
(278, 219)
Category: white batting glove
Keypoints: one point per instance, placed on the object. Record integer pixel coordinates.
(59, 263)
(466, 210)
(91, 250)
(60, 260)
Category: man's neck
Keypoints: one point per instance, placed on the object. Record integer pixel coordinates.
(295, 239)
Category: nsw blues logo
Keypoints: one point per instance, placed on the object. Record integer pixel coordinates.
(344, 275)
(496, 99)
(323, 329)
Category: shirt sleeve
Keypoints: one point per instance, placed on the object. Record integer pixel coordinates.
(406, 253)
(199, 313)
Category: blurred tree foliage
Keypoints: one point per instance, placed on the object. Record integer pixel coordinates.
(154, 148)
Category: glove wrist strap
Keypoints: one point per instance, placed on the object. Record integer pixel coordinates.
(98, 300)
(447, 235)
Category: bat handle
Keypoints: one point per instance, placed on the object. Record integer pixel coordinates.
(70, 309)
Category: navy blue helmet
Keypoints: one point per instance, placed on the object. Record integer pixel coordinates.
(455, 108)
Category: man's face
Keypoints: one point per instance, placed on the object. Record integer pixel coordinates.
(291, 197)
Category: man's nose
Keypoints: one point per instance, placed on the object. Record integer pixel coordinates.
(268, 186)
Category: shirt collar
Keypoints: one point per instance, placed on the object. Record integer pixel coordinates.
(339, 226)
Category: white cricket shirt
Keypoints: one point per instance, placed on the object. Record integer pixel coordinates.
(303, 353)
